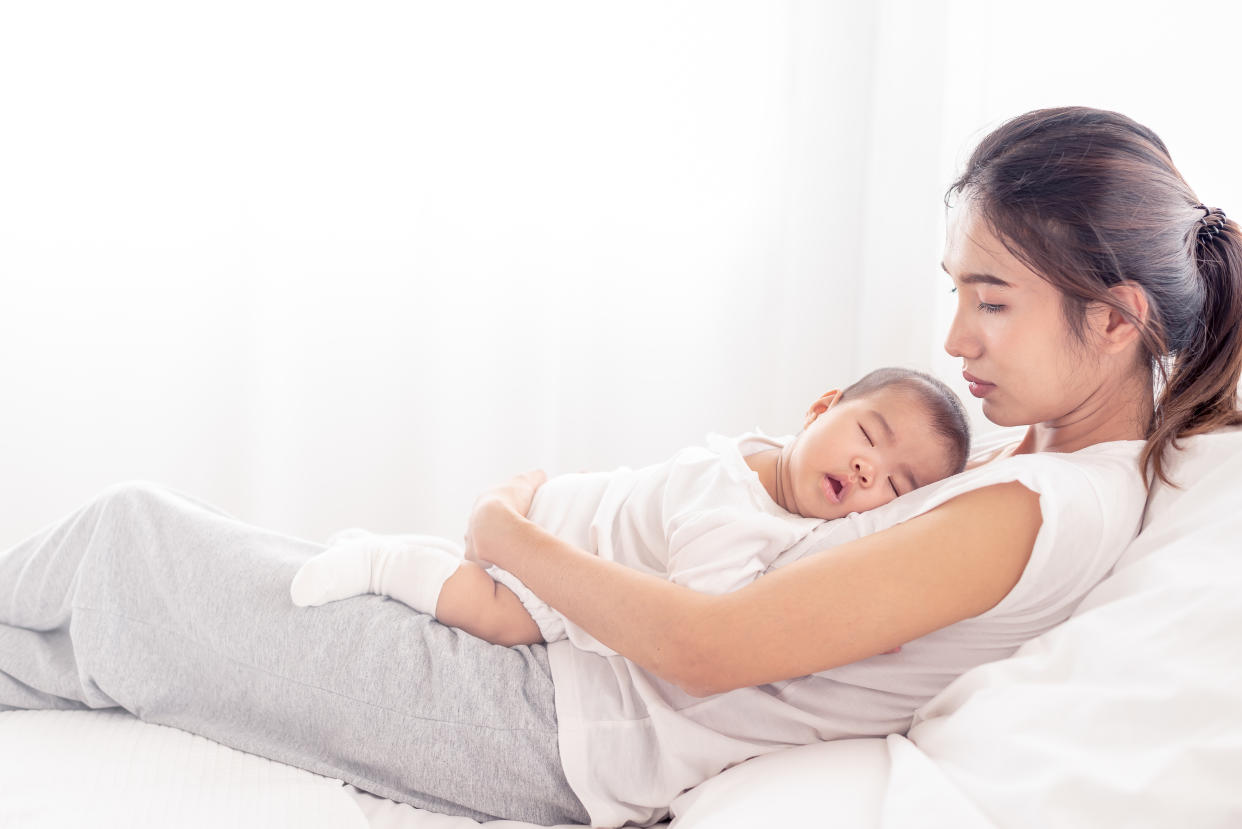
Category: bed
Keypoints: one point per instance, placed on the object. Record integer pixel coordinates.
(1129, 714)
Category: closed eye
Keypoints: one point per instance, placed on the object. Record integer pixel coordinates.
(985, 307)
(863, 429)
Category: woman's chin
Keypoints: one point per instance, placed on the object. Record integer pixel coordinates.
(1003, 415)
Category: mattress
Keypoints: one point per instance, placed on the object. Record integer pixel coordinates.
(103, 769)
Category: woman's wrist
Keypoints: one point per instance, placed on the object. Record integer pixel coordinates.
(498, 515)
(494, 529)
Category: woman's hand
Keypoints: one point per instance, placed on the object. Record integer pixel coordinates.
(497, 511)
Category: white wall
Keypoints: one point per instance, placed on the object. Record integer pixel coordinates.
(347, 263)
(332, 264)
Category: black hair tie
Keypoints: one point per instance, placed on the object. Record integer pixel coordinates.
(1210, 224)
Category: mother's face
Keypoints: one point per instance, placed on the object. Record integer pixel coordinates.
(1017, 350)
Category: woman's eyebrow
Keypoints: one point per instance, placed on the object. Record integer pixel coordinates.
(979, 279)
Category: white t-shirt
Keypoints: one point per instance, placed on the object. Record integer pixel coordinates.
(630, 742)
(701, 519)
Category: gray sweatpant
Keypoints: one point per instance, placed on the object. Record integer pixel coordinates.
(164, 606)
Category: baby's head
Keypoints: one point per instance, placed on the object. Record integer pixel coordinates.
(893, 431)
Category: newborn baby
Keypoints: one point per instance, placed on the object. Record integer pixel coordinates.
(710, 518)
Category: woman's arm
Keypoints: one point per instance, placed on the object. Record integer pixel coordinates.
(849, 603)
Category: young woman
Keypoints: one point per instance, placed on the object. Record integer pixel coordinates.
(1100, 305)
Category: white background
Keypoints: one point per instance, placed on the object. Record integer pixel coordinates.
(347, 263)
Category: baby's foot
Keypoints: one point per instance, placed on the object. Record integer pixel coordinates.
(341, 571)
(409, 568)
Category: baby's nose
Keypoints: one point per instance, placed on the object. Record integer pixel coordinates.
(864, 473)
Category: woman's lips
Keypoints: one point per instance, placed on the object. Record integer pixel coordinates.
(979, 388)
(832, 488)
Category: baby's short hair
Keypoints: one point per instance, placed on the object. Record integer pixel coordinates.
(948, 415)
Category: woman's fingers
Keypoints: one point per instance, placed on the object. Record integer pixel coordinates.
(518, 492)
(497, 505)
(531, 482)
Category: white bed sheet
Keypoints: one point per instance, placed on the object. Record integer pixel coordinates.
(105, 769)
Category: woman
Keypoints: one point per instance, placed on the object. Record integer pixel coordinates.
(1084, 267)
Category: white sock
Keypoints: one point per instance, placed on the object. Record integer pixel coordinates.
(409, 568)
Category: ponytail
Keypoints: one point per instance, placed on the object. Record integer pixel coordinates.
(1200, 388)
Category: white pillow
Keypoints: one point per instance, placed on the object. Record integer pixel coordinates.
(1130, 713)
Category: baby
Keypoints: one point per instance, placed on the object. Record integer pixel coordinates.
(713, 519)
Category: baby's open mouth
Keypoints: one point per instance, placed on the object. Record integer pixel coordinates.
(832, 488)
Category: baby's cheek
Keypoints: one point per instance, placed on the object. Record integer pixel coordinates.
(882, 496)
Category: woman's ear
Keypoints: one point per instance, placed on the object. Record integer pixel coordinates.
(823, 404)
(1116, 330)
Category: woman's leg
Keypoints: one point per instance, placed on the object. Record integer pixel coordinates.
(179, 613)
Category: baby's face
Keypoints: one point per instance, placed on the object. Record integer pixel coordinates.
(863, 452)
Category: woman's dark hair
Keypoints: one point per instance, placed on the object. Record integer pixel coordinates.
(943, 407)
(1089, 199)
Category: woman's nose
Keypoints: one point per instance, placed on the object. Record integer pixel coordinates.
(959, 342)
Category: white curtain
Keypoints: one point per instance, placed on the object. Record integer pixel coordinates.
(340, 264)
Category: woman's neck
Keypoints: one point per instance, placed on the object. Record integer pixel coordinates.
(1121, 413)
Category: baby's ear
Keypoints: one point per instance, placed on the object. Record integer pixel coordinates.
(823, 404)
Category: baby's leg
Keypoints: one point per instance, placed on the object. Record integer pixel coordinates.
(423, 572)
(472, 601)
